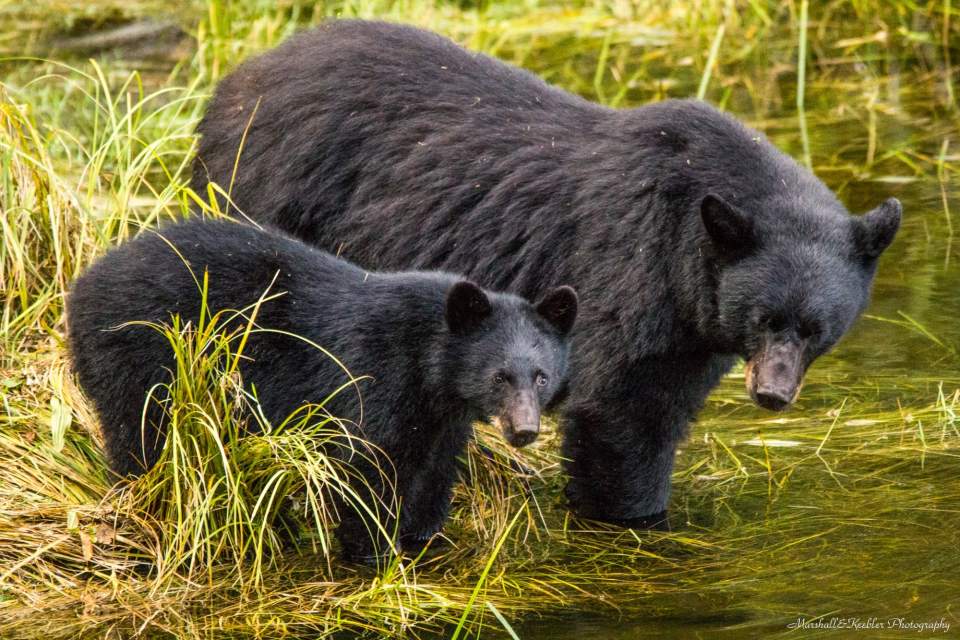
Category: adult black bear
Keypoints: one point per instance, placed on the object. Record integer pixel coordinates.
(696, 240)
(442, 352)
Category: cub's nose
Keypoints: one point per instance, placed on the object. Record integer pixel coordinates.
(524, 435)
(521, 419)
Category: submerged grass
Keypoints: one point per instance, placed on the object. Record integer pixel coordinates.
(231, 536)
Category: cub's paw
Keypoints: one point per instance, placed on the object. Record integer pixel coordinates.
(412, 545)
(364, 554)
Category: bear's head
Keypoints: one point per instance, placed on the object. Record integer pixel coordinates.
(509, 356)
(790, 283)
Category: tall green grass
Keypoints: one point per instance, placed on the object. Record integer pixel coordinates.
(69, 193)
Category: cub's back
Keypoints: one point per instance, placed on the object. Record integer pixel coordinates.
(160, 272)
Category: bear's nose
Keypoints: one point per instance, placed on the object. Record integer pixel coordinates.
(774, 398)
(774, 375)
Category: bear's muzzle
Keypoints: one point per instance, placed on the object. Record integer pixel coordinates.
(774, 376)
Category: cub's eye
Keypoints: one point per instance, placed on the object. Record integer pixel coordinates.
(774, 324)
(807, 331)
(499, 378)
(541, 379)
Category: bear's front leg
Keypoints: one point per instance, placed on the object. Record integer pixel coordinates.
(620, 442)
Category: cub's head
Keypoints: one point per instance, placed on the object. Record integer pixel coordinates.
(790, 283)
(510, 355)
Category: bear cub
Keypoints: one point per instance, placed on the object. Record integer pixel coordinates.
(437, 353)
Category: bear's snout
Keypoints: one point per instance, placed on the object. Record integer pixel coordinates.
(520, 419)
(774, 376)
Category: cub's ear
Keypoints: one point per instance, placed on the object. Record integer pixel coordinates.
(559, 308)
(467, 306)
(730, 229)
(874, 231)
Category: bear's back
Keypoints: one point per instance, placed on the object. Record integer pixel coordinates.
(360, 66)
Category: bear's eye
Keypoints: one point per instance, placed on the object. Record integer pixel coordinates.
(541, 379)
(499, 378)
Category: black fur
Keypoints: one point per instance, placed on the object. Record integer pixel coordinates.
(695, 239)
(430, 379)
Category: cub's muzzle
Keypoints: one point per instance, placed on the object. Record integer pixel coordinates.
(774, 376)
(520, 420)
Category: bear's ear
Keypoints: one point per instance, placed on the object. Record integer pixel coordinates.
(559, 308)
(729, 228)
(467, 306)
(874, 231)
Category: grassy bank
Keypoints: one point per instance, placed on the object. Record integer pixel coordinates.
(859, 480)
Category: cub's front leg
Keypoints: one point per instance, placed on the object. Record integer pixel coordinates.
(425, 505)
(368, 517)
(365, 538)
